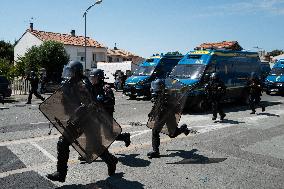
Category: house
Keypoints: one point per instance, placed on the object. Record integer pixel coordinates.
(120, 55)
(226, 45)
(74, 46)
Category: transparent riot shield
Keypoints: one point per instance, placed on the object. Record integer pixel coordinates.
(167, 109)
(84, 122)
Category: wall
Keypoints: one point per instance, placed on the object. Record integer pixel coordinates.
(26, 42)
(76, 52)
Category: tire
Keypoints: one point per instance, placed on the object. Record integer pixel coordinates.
(245, 99)
(268, 92)
(202, 106)
(132, 97)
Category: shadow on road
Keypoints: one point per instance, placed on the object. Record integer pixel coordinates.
(191, 157)
(229, 121)
(132, 160)
(229, 107)
(116, 181)
(269, 114)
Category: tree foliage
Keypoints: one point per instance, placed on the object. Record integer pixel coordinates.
(6, 51)
(50, 55)
(276, 52)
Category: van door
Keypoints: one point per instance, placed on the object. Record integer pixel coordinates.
(225, 70)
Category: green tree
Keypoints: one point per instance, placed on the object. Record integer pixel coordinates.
(50, 55)
(6, 51)
(276, 52)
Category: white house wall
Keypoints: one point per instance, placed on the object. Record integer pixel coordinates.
(26, 42)
(76, 52)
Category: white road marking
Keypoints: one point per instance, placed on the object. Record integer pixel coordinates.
(27, 140)
(37, 123)
(46, 153)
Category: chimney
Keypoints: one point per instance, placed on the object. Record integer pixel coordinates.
(31, 26)
(73, 33)
(115, 48)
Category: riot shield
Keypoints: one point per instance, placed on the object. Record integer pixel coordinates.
(81, 120)
(167, 109)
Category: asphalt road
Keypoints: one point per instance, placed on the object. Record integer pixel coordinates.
(243, 151)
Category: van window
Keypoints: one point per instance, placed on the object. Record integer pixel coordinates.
(144, 70)
(150, 60)
(277, 71)
(196, 59)
(188, 71)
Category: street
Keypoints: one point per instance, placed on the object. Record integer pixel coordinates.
(243, 151)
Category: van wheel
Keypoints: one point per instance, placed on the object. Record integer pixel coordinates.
(268, 92)
(132, 97)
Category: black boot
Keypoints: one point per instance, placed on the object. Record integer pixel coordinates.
(111, 162)
(222, 116)
(127, 139)
(184, 129)
(124, 137)
(57, 176)
(153, 154)
(62, 159)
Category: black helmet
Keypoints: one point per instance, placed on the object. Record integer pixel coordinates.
(158, 85)
(97, 73)
(214, 76)
(76, 68)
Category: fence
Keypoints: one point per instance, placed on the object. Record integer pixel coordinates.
(20, 87)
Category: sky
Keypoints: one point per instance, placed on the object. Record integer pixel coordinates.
(147, 27)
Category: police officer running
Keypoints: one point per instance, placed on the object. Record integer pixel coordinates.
(34, 80)
(163, 113)
(104, 94)
(214, 90)
(254, 89)
(76, 69)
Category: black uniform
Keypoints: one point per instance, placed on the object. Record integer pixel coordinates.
(34, 80)
(254, 90)
(63, 144)
(215, 89)
(164, 112)
(104, 94)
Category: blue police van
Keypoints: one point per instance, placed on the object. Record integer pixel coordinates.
(155, 67)
(234, 68)
(274, 82)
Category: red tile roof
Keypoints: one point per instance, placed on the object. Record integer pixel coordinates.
(233, 45)
(119, 52)
(66, 39)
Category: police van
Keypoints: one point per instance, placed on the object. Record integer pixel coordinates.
(233, 68)
(155, 67)
(274, 82)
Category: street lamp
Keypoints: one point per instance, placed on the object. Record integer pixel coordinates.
(85, 16)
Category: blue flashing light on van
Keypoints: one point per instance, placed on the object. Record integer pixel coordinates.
(233, 67)
(274, 82)
(155, 67)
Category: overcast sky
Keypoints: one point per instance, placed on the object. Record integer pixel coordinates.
(145, 27)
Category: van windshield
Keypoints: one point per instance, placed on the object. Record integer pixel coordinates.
(277, 71)
(188, 71)
(144, 70)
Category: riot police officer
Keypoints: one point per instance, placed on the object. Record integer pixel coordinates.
(214, 90)
(163, 112)
(76, 69)
(104, 94)
(34, 80)
(254, 90)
